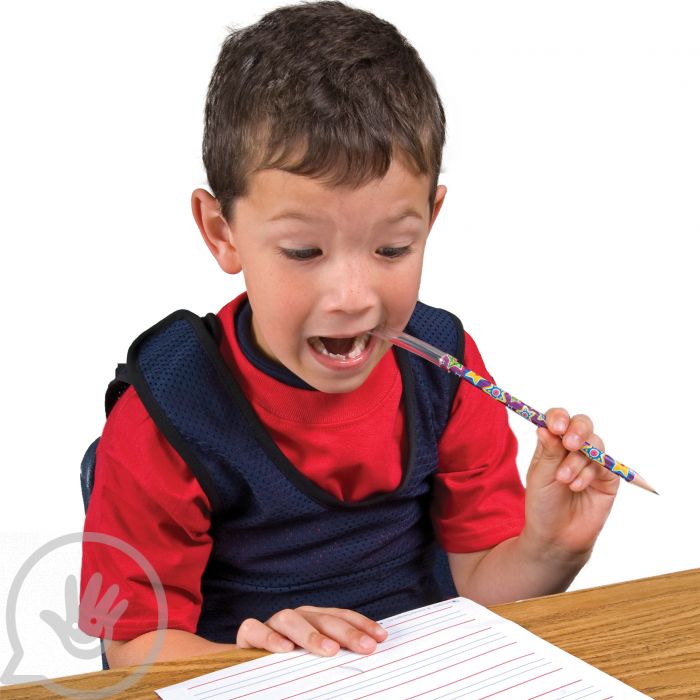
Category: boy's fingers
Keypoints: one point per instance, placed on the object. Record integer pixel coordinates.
(325, 630)
(358, 620)
(597, 441)
(559, 446)
(321, 631)
(557, 420)
(353, 632)
(578, 471)
(573, 431)
(295, 627)
(550, 451)
(584, 478)
(575, 461)
(253, 634)
(579, 430)
(598, 471)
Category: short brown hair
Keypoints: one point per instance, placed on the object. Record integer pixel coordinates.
(319, 89)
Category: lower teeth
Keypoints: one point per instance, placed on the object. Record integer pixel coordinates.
(358, 346)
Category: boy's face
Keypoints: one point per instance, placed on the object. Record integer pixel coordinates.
(325, 265)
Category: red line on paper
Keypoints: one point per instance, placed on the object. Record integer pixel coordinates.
(427, 634)
(388, 663)
(342, 663)
(417, 617)
(546, 692)
(529, 680)
(294, 658)
(490, 668)
(291, 680)
(437, 670)
(257, 668)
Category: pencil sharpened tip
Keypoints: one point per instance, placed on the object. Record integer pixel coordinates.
(643, 483)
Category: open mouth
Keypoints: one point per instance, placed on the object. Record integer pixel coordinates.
(340, 348)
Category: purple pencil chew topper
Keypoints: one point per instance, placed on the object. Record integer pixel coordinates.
(454, 366)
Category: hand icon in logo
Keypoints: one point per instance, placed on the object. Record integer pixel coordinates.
(97, 616)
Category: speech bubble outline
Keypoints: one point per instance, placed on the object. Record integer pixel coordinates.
(8, 676)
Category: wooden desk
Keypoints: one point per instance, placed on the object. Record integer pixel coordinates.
(646, 633)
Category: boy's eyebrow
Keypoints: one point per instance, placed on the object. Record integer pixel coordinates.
(405, 214)
(300, 216)
(306, 218)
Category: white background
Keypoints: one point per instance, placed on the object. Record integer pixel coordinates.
(567, 243)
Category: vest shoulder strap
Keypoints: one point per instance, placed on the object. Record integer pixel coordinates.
(209, 324)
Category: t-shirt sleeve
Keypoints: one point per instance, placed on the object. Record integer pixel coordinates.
(479, 497)
(146, 496)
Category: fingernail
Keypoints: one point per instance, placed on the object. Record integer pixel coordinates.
(328, 646)
(286, 645)
(559, 426)
(366, 642)
(564, 474)
(573, 442)
(577, 484)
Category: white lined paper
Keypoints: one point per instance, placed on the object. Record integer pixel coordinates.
(454, 649)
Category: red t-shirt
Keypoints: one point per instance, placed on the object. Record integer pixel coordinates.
(146, 495)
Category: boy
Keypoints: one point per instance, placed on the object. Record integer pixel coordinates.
(280, 466)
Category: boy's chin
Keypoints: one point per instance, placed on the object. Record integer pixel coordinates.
(340, 382)
(337, 385)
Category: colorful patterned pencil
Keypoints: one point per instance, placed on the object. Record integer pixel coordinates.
(452, 365)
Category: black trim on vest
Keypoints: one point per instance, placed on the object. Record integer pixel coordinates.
(243, 328)
(208, 332)
(159, 416)
(288, 470)
(213, 325)
(116, 387)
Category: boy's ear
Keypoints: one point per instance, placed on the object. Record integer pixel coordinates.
(215, 231)
(440, 193)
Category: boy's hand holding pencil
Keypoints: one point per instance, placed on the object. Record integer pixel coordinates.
(568, 497)
(571, 486)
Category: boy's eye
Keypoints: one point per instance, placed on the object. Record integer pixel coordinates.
(300, 253)
(390, 252)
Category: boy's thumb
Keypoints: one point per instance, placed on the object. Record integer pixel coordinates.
(549, 451)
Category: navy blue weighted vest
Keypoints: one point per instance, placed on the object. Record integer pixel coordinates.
(280, 541)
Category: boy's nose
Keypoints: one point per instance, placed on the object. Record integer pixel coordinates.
(350, 289)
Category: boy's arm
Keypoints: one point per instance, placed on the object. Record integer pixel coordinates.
(568, 499)
(146, 497)
(177, 644)
(509, 572)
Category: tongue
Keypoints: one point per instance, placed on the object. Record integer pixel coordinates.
(338, 346)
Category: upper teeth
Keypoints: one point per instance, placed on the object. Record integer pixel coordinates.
(359, 344)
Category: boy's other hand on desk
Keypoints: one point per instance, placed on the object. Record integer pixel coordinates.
(568, 496)
(322, 631)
